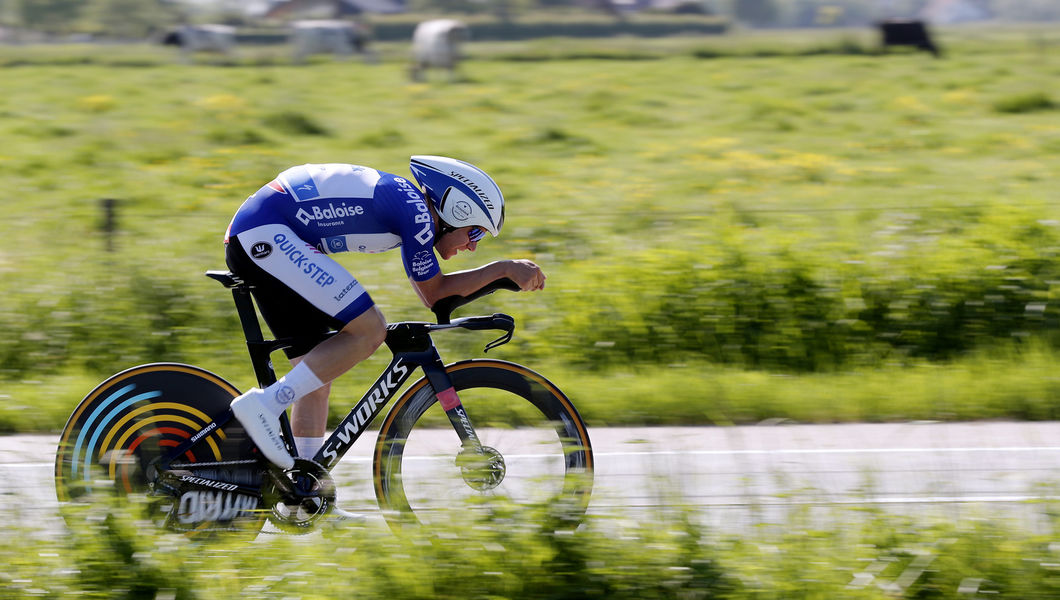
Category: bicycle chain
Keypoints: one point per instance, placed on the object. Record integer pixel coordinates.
(202, 465)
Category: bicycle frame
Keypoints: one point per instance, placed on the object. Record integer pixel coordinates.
(412, 346)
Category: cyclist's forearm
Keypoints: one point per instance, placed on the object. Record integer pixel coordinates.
(461, 283)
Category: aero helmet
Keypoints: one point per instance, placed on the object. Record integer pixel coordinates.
(462, 193)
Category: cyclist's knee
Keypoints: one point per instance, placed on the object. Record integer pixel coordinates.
(369, 328)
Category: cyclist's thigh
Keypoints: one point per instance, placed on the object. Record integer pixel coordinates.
(300, 291)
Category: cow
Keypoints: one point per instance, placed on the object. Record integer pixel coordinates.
(436, 44)
(339, 38)
(907, 33)
(202, 38)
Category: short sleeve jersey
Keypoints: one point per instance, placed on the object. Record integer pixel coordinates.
(340, 208)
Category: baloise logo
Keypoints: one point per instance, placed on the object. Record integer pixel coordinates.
(260, 250)
(329, 213)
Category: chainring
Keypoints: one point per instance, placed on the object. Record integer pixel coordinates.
(298, 497)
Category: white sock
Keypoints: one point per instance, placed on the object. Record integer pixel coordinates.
(308, 446)
(298, 382)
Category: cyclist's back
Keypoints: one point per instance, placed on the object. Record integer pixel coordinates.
(341, 207)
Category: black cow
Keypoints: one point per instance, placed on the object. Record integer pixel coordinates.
(907, 33)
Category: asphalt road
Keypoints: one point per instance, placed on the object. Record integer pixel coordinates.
(735, 476)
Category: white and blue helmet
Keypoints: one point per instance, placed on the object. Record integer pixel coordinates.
(462, 193)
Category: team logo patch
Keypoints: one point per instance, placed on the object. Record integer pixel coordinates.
(285, 395)
(422, 262)
(336, 244)
(462, 210)
(261, 250)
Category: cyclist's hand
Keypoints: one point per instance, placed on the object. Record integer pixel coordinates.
(528, 275)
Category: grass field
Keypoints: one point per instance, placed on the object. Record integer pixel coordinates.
(735, 229)
(792, 225)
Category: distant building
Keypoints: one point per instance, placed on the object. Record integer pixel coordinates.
(948, 12)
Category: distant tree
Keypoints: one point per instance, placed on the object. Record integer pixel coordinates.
(49, 16)
(756, 12)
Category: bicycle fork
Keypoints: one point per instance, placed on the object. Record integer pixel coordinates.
(413, 340)
(481, 467)
(450, 402)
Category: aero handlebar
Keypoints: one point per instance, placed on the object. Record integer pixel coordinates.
(443, 309)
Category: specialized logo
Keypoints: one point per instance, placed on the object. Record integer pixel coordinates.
(302, 184)
(466, 423)
(330, 213)
(220, 485)
(260, 250)
(473, 187)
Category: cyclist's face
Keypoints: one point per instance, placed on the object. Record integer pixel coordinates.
(465, 238)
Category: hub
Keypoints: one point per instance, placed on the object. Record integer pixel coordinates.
(483, 470)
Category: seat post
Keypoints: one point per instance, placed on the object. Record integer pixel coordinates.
(248, 317)
(260, 349)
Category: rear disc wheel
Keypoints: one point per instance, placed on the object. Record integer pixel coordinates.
(121, 429)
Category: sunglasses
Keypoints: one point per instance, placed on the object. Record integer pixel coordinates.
(475, 234)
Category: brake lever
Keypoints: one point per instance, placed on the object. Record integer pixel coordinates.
(504, 339)
(508, 325)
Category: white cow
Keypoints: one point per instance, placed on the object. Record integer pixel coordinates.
(202, 38)
(436, 43)
(340, 38)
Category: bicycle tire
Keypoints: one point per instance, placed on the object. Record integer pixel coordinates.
(132, 419)
(553, 460)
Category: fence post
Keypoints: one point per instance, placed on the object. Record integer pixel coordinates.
(110, 221)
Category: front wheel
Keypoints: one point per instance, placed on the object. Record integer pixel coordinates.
(535, 447)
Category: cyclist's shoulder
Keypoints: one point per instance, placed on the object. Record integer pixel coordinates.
(310, 181)
(343, 180)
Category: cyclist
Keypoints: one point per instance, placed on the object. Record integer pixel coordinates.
(280, 240)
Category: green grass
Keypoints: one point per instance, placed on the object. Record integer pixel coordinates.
(1004, 385)
(495, 552)
(771, 218)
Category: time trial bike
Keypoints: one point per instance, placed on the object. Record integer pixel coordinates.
(478, 427)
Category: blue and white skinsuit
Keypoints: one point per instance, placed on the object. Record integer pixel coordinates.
(291, 224)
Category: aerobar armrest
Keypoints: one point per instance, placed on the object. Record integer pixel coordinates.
(443, 309)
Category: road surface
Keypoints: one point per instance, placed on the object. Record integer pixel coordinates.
(735, 476)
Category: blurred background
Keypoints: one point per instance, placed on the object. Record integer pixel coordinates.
(750, 212)
(748, 209)
(134, 19)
